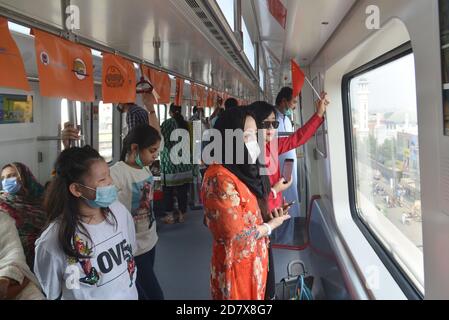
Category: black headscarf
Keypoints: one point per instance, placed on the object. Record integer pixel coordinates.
(248, 173)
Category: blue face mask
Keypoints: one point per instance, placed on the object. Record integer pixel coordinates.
(104, 196)
(11, 185)
(289, 113)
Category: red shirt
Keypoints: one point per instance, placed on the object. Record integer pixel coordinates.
(297, 139)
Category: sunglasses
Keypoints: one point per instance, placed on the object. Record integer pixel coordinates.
(270, 124)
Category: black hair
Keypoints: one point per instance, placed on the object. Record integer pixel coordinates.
(62, 206)
(285, 93)
(231, 103)
(261, 111)
(176, 111)
(143, 135)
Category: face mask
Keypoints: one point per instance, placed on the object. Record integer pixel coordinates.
(289, 113)
(104, 196)
(139, 161)
(11, 186)
(253, 150)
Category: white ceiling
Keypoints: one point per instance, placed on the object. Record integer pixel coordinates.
(304, 35)
(131, 26)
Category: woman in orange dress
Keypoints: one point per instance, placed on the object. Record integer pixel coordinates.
(235, 201)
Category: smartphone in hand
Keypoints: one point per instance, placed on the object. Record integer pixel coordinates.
(287, 170)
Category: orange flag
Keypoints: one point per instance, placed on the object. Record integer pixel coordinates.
(201, 96)
(298, 78)
(161, 83)
(179, 91)
(193, 94)
(65, 68)
(13, 74)
(211, 98)
(119, 80)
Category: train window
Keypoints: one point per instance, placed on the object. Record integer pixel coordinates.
(261, 79)
(382, 127)
(65, 116)
(227, 8)
(105, 127)
(248, 46)
(207, 112)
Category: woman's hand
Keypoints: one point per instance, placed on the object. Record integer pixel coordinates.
(279, 216)
(282, 185)
(4, 284)
(322, 104)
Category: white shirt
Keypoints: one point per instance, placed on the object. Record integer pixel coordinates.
(109, 273)
(136, 189)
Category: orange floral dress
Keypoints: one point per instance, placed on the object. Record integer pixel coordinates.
(239, 263)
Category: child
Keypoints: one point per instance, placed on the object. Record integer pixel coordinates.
(87, 251)
(135, 182)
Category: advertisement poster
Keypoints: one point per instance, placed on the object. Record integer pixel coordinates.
(16, 109)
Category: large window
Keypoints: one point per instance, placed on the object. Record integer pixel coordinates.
(383, 129)
(227, 8)
(248, 46)
(105, 131)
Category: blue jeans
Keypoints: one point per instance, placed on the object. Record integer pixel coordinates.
(147, 285)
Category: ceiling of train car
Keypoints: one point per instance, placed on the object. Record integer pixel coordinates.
(133, 26)
(309, 25)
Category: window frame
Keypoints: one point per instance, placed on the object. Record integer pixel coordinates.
(406, 285)
(113, 106)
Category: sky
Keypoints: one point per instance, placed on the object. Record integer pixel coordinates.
(392, 87)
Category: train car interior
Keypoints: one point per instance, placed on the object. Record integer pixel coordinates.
(372, 217)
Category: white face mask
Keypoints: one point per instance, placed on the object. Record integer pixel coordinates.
(253, 150)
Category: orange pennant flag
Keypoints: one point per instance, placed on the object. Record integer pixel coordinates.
(13, 74)
(65, 68)
(119, 80)
(179, 91)
(201, 96)
(211, 98)
(193, 94)
(161, 83)
(298, 78)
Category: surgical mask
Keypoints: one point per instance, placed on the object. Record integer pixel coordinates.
(253, 150)
(289, 113)
(139, 161)
(11, 185)
(104, 196)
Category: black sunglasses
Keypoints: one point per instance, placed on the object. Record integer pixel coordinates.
(270, 124)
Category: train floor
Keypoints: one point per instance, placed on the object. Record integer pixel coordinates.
(183, 257)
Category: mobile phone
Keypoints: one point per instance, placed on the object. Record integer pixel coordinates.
(288, 205)
(287, 170)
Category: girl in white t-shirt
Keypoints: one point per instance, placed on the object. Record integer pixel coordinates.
(87, 251)
(135, 182)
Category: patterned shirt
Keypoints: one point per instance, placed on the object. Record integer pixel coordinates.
(136, 116)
